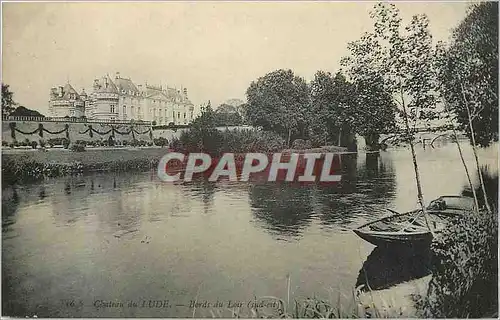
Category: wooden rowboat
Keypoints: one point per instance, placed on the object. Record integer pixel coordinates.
(410, 228)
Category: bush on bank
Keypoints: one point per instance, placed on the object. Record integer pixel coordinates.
(33, 166)
(465, 274)
(216, 142)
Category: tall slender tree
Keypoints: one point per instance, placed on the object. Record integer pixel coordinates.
(403, 58)
(468, 72)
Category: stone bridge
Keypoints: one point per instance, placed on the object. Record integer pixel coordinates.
(426, 136)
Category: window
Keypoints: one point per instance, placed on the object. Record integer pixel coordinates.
(173, 114)
(184, 115)
(124, 109)
(178, 115)
(112, 108)
(132, 110)
(139, 110)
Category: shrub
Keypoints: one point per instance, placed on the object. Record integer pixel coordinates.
(176, 145)
(215, 142)
(56, 141)
(160, 141)
(34, 144)
(111, 141)
(42, 143)
(11, 145)
(465, 274)
(82, 142)
(65, 143)
(301, 144)
(4, 143)
(76, 147)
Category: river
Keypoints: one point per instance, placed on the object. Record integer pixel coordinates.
(120, 245)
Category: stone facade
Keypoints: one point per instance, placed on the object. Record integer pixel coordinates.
(123, 100)
(65, 101)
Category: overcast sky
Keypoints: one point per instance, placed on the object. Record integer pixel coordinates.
(215, 49)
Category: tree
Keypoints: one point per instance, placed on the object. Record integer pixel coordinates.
(203, 135)
(227, 115)
(8, 104)
(404, 60)
(25, 112)
(279, 102)
(468, 73)
(333, 107)
(375, 110)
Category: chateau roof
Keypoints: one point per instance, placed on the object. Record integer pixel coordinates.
(107, 86)
(126, 85)
(68, 90)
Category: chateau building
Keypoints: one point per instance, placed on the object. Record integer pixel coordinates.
(121, 99)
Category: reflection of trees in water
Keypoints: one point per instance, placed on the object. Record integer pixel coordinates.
(348, 170)
(490, 178)
(366, 188)
(287, 208)
(99, 194)
(10, 203)
(284, 208)
(201, 188)
(376, 178)
(386, 267)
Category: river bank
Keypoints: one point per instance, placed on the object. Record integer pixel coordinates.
(20, 166)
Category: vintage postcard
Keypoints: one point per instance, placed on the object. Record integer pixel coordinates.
(220, 159)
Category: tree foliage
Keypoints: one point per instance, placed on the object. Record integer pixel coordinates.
(469, 72)
(375, 110)
(279, 102)
(227, 115)
(404, 59)
(8, 104)
(396, 62)
(203, 135)
(333, 107)
(25, 112)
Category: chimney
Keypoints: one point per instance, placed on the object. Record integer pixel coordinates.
(185, 91)
(53, 92)
(61, 91)
(117, 75)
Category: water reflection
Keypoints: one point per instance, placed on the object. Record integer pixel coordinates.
(287, 208)
(386, 267)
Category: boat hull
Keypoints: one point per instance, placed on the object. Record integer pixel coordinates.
(412, 228)
(422, 239)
